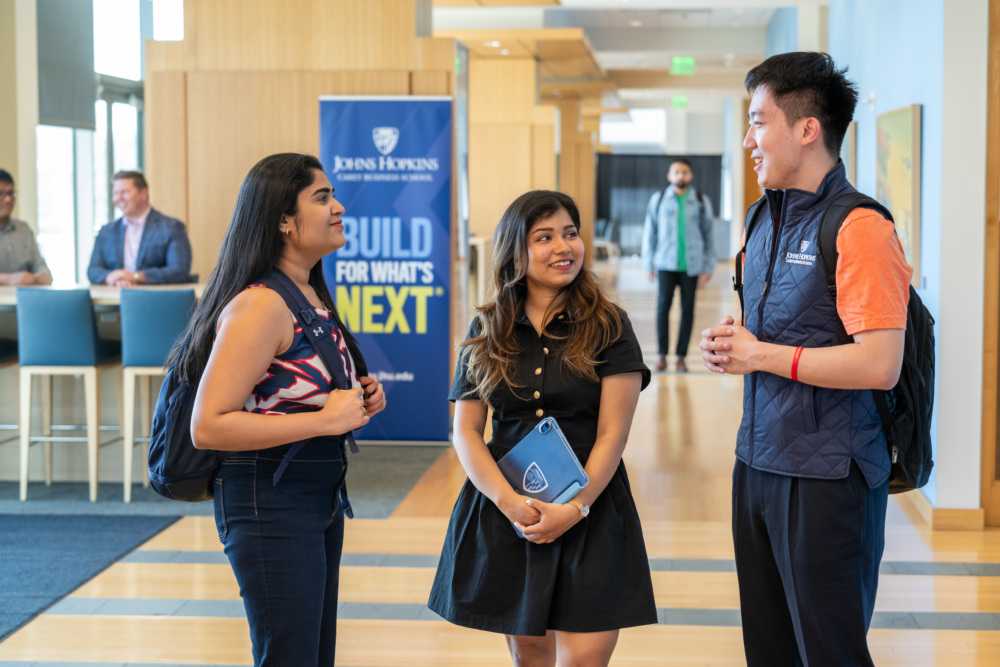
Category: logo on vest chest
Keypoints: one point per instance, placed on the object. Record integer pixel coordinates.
(801, 257)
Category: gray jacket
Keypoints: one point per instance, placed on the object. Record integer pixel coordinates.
(659, 235)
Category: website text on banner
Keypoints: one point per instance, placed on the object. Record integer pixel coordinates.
(389, 159)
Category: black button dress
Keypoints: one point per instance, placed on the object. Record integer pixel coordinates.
(595, 577)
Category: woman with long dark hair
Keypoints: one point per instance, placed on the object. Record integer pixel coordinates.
(550, 344)
(262, 390)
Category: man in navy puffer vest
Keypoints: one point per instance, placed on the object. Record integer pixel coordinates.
(811, 478)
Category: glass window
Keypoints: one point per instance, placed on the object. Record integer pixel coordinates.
(638, 127)
(168, 20)
(125, 129)
(117, 39)
(86, 196)
(56, 206)
(102, 185)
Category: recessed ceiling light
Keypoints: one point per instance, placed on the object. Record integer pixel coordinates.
(504, 52)
(493, 44)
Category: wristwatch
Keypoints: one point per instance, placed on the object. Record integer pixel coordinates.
(136, 277)
(584, 509)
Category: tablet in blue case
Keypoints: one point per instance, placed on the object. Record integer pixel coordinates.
(543, 465)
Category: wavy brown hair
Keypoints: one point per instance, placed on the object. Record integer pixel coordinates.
(595, 322)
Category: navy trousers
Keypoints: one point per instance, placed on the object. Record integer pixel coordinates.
(284, 542)
(807, 558)
(669, 281)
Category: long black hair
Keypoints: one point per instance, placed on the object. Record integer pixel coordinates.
(250, 248)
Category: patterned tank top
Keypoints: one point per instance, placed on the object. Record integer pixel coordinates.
(298, 380)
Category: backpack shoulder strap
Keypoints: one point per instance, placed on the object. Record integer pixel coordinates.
(751, 220)
(659, 203)
(829, 227)
(314, 328)
(318, 334)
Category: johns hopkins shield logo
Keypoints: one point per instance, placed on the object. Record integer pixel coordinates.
(534, 481)
(803, 245)
(385, 138)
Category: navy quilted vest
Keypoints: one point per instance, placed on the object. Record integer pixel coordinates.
(789, 427)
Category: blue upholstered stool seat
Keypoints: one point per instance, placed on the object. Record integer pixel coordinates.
(58, 328)
(57, 335)
(152, 319)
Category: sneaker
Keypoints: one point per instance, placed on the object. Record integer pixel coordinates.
(681, 366)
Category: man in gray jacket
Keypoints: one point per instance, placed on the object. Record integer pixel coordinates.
(677, 249)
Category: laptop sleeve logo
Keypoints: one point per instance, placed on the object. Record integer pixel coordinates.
(534, 481)
(385, 139)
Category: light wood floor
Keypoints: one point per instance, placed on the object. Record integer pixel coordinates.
(680, 458)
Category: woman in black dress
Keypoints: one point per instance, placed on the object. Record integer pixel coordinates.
(550, 344)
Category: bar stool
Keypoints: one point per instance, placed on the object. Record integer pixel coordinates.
(57, 335)
(152, 320)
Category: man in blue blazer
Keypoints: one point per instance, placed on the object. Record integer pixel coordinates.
(143, 246)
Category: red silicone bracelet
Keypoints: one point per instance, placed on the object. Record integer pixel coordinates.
(795, 364)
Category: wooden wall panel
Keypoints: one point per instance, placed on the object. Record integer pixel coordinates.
(166, 153)
(543, 147)
(237, 118)
(501, 91)
(8, 82)
(252, 34)
(499, 171)
(301, 34)
(543, 165)
(254, 71)
(430, 83)
(168, 57)
(436, 53)
(990, 489)
(569, 112)
(577, 166)
(577, 179)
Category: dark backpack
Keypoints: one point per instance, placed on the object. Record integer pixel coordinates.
(905, 409)
(180, 471)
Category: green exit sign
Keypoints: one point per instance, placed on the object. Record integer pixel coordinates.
(682, 66)
(678, 101)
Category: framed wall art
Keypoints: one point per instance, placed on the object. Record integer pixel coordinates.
(898, 176)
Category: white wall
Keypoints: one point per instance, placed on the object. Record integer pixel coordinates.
(935, 56)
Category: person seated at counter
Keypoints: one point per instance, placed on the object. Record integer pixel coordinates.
(20, 261)
(143, 246)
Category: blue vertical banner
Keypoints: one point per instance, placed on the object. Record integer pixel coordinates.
(389, 160)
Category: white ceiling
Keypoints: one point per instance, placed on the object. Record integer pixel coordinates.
(634, 41)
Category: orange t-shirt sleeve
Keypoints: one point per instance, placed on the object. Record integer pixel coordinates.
(873, 277)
